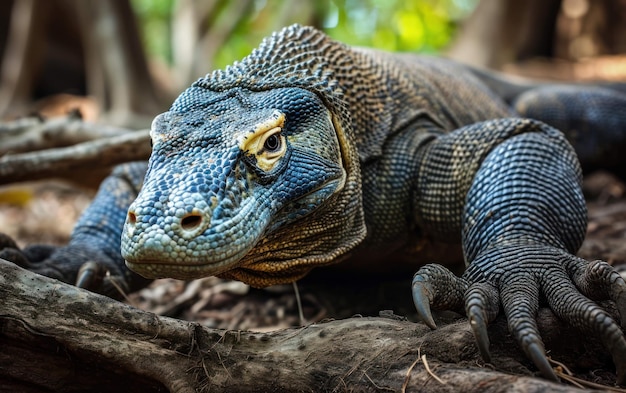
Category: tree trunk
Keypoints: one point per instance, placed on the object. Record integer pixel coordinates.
(22, 56)
(57, 337)
(505, 31)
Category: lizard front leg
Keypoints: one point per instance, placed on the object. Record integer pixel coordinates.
(92, 258)
(512, 187)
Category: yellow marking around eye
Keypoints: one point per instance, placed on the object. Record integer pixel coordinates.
(252, 144)
(250, 141)
(276, 120)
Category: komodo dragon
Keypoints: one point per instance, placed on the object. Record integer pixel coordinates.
(309, 152)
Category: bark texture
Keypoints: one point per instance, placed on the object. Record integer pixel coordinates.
(60, 338)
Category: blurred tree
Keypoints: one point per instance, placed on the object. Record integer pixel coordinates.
(134, 56)
(98, 49)
(193, 37)
(581, 37)
(502, 31)
(79, 47)
(212, 34)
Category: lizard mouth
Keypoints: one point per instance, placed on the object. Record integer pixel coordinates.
(154, 269)
(155, 254)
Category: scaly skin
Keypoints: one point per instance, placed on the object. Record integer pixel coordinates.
(308, 152)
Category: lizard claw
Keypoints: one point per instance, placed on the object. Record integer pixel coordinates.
(422, 297)
(595, 280)
(520, 300)
(97, 277)
(479, 327)
(537, 354)
(91, 275)
(567, 283)
(434, 285)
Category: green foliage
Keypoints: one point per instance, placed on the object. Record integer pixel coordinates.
(154, 17)
(263, 18)
(395, 25)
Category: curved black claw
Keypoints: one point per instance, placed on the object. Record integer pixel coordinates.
(481, 306)
(97, 277)
(422, 298)
(434, 285)
(537, 354)
(91, 275)
(568, 284)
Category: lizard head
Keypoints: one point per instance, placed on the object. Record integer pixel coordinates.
(237, 185)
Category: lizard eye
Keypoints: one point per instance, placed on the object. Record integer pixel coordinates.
(274, 147)
(272, 143)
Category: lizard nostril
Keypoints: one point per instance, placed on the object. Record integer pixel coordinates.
(132, 218)
(191, 221)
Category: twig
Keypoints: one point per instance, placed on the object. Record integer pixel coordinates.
(299, 303)
(408, 374)
(430, 371)
(94, 154)
(563, 372)
(31, 133)
(378, 386)
(559, 364)
(583, 383)
(119, 289)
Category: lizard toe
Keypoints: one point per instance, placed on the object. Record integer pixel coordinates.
(85, 267)
(36, 253)
(437, 287)
(599, 281)
(7, 242)
(10, 251)
(22, 259)
(567, 301)
(482, 303)
(16, 256)
(99, 277)
(27, 258)
(520, 300)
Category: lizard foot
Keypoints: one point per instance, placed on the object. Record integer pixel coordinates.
(515, 277)
(31, 258)
(73, 264)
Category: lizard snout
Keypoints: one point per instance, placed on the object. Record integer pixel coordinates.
(182, 225)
